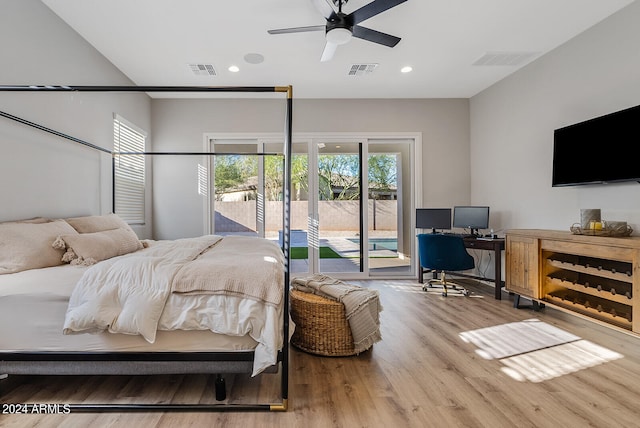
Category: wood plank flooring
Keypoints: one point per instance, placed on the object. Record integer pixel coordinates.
(422, 374)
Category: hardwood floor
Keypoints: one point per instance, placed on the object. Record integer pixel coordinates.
(422, 374)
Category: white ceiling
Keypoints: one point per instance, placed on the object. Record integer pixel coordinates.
(154, 41)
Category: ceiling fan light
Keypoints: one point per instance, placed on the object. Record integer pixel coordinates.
(338, 36)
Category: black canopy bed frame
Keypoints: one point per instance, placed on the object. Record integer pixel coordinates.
(128, 363)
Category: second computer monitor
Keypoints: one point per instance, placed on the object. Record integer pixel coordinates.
(433, 218)
(471, 217)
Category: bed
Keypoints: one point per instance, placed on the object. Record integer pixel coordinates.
(67, 312)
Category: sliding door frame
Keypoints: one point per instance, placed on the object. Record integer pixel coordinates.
(311, 138)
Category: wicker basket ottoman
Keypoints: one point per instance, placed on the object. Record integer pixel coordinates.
(321, 325)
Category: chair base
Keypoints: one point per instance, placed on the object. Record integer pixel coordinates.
(445, 284)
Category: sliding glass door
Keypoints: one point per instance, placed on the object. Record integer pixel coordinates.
(237, 189)
(300, 248)
(351, 202)
(339, 207)
(389, 192)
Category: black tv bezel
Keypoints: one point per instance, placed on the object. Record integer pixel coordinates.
(589, 159)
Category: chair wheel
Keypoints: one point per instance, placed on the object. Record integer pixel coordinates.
(444, 294)
(466, 293)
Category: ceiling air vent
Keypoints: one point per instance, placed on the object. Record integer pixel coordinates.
(506, 58)
(362, 69)
(202, 69)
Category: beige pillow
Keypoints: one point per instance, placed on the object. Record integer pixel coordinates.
(90, 248)
(34, 220)
(28, 245)
(98, 223)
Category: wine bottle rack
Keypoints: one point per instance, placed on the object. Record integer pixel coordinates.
(585, 280)
(596, 277)
(594, 286)
(595, 269)
(595, 307)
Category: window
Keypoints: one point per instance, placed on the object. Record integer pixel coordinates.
(129, 171)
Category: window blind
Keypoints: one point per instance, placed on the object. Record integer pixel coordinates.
(129, 171)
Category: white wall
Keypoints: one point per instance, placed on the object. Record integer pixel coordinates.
(41, 174)
(179, 125)
(512, 123)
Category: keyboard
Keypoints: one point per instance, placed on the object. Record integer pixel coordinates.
(462, 235)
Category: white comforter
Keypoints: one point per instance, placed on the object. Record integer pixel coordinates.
(136, 293)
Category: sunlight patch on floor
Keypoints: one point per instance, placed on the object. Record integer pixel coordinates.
(535, 351)
(545, 364)
(405, 288)
(514, 338)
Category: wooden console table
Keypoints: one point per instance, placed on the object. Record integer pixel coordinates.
(596, 277)
(496, 245)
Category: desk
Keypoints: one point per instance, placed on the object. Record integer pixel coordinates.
(495, 245)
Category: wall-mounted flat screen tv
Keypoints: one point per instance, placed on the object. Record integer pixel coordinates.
(600, 150)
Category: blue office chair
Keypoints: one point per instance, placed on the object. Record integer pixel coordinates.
(444, 253)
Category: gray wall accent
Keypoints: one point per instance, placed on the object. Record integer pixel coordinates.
(512, 123)
(42, 174)
(181, 124)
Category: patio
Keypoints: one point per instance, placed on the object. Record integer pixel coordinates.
(381, 258)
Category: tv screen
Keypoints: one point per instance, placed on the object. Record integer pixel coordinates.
(471, 217)
(433, 218)
(597, 150)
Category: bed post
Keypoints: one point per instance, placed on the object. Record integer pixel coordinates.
(286, 235)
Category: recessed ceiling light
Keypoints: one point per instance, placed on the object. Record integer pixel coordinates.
(254, 58)
(233, 68)
(406, 69)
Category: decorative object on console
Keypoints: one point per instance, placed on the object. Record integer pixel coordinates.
(618, 228)
(603, 228)
(588, 215)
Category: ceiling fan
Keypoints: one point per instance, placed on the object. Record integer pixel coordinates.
(340, 27)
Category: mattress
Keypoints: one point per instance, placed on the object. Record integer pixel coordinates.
(33, 304)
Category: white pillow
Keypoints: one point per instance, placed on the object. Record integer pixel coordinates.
(26, 245)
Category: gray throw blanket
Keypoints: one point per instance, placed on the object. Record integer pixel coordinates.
(362, 306)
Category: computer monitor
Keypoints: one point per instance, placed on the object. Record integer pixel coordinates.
(433, 218)
(471, 217)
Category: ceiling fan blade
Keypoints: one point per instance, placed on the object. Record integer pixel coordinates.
(298, 29)
(324, 7)
(375, 36)
(329, 50)
(372, 9)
